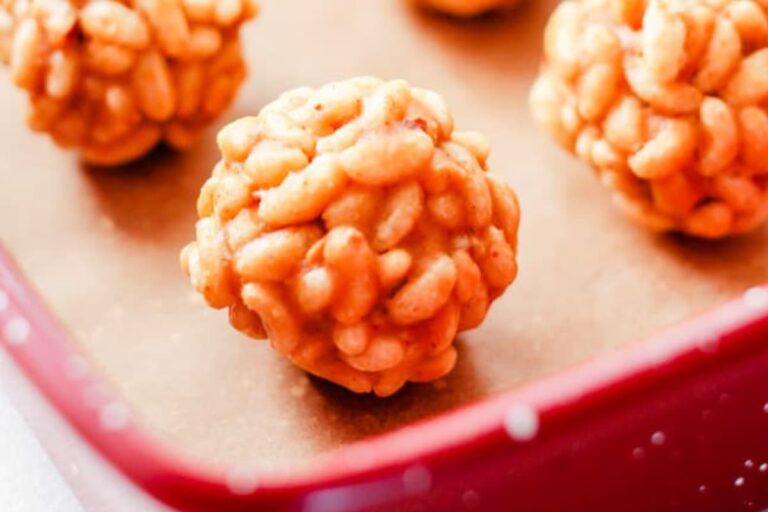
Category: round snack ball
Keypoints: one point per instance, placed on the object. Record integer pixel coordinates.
(666, 100)
(352, 226)
(467, 8)
(115, 78)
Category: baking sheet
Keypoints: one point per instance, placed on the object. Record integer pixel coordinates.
(102, 246)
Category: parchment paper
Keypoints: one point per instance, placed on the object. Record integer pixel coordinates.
(102, 247)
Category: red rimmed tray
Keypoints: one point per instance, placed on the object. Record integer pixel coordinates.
(675, 423)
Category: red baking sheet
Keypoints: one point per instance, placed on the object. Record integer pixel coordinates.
(676, 423)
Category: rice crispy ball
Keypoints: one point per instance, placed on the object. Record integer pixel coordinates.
(467, 8)
(666, 100)
(115, 78)
(356, 230)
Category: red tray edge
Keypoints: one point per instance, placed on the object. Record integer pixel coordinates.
(496, 426)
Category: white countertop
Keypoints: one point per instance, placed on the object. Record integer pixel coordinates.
(44, 464)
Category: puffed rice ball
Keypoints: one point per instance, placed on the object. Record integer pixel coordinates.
(353, 227)
(467, 8)
(666, 99)
(115, 78)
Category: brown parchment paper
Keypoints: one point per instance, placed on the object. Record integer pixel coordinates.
(102, 246)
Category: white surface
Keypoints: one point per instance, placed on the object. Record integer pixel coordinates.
(29, 482)
(44, 464)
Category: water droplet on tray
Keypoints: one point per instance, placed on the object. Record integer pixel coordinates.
(658, 438)
(521, 422)
(16, 331)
